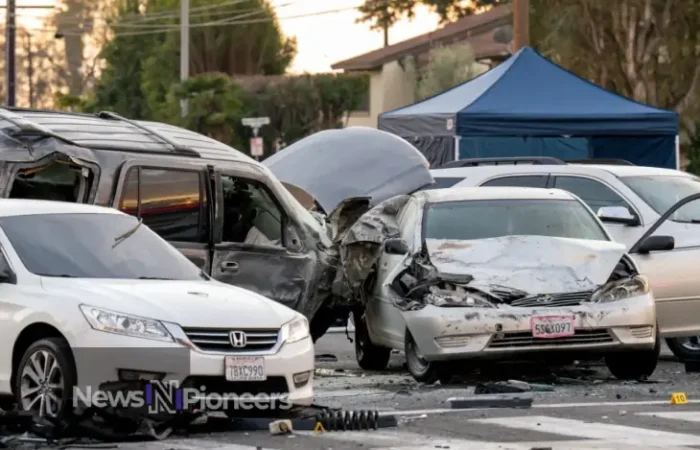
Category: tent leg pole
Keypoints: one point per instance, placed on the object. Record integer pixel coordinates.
(457, 148)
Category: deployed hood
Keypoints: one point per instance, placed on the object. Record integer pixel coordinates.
(534, 264)
(205, 304)
(335, 165)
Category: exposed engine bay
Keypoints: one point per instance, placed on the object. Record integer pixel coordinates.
(421, 284)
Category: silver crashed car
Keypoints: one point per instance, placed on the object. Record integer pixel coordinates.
(501, 273)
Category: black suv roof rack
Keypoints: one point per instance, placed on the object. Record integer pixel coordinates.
(29, 128)
(177, 148)
(607, 162)
(532, 160)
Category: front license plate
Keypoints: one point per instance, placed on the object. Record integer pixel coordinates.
(552, 326)
(245, 368)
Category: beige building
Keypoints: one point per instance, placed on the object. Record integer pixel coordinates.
(391, 86)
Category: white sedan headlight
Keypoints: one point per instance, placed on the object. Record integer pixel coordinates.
(295, 330)
(134, 326)
(620, 290)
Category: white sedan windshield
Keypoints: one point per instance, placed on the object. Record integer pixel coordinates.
(484, 219)
(95, 246)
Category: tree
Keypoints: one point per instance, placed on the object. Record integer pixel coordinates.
(646, 50)
(383, 14)
(446, 68)
(142, 59)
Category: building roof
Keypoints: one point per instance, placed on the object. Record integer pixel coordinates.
(477, 30)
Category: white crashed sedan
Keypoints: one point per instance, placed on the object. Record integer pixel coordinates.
(499, 273)
(92, 300)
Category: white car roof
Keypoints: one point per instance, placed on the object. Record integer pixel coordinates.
(21, 207)
(493, 193)
(592, 169)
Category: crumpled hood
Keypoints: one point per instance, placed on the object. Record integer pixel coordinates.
(206, 304)
(336, 165)
(534, 264)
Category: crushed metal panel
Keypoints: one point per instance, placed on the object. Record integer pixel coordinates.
(535, 264)
(361, 246)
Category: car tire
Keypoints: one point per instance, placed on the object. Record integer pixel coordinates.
(368, 355)
(55, 380)
(421, 370)
(635, 364)
(685, 348)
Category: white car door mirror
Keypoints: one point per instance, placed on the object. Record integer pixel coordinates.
(656, 244)
(617, 214)
(396, 247)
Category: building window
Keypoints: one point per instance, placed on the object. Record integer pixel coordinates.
(364, 106)
(172, 202)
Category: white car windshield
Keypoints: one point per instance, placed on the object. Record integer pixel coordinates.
(662, 192)
(484, 219)
(95, 246)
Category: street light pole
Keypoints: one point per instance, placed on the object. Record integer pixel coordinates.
(11, 48)
(184, 47)
(521, 24)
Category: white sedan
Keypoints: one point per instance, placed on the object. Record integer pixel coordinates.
(91, 300)
(465, 274)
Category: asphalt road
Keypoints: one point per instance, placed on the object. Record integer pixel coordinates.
(585, 410)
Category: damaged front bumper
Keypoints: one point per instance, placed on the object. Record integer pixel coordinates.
(453, 333)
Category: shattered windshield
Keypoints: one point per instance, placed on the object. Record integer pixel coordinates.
(662, 192)
(95, 246)
(485, 219)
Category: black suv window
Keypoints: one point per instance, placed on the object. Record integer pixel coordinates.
(594, 193)
(536, 181)
(173, 202)
(251, 214)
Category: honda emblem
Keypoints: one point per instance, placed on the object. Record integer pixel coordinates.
(238, 339)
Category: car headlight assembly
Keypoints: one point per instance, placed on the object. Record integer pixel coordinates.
(295, 330)
(620, 290)
(125, 324)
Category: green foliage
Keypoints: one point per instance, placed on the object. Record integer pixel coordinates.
(447, 67)
(215, 106)
(301, 105)
(141, 66)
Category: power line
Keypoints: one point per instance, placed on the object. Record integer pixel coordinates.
(223, 22)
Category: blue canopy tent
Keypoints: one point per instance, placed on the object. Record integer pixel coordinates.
(529, 106)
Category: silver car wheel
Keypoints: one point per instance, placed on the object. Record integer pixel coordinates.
(692, 343)
(41, 384)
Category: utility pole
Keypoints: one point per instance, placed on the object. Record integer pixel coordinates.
(184, 47)
(521, 24)
(10, 54)
(11, 48)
